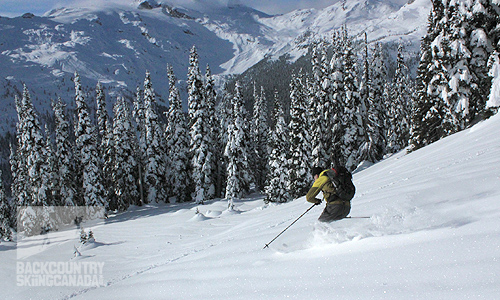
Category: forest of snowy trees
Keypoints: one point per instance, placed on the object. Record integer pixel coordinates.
(453, 78)
(346, 112)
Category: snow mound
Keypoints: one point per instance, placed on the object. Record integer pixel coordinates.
(213, 214)
(198, 217)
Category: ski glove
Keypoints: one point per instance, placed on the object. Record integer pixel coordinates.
(318, 201)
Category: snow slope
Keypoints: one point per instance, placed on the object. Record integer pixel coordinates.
(434, 233)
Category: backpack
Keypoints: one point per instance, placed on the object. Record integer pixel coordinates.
(342, 181)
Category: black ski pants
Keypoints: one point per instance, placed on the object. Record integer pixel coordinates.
(335, 212)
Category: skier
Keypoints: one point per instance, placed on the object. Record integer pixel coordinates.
(337, 192)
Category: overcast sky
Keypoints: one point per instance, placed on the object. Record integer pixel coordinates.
(12, 8)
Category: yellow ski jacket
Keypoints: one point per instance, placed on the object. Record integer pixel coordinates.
(324, 184)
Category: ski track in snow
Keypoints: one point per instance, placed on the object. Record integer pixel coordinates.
(142, 271)
(204, 217)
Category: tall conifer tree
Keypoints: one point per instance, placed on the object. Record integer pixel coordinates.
(320, 124)
(213, 132)
(337, 98)
(260, 129)
(279, 169)
(399, 110)
(125, 164)
(419, 133)
(353, 134)
(155, 156)
(108, 165)
(92, 187)
(65, 185)
(101, 113)
(177, 139)
(138, 114)
(371, 149)
(30, 182)
(236, 151)
(202, 158)
(225, 118)
(299, 179)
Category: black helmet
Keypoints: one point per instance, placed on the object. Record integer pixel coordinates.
(316, 171)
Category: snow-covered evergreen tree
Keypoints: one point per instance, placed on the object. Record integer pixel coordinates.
(34, 151)
(399, 110)
(5, 214)
(433, 112)
(49, 179)
(31, 156)
(225, 118)
(196, 101)
(125, 164)
(155, 156)
(320, 109)
(438, 116)
(202, 157)
(49, 171)
(18, 166)
(370, 150)
(483, 17)
(493, 102)
(31, 182)
(213, 155)
(420, 133)
(16, 187)
(452, 79)
(44, 197)
(138, 114)
(353, 134)
(260, 129)
(252, 147)
(236, 151)
(458, 91)
(377, 103)
(108, 165)
(86, 150)
(277, 182)
(299, 176)
(177, 140)
(101, 113)
(337, 95)
(65, 185)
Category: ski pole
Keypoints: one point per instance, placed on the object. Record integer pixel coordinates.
(267, 245)
(357, 217)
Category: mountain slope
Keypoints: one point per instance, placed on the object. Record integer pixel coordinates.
(116, 43)
(115, 47)
(434, 233)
